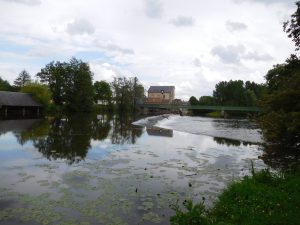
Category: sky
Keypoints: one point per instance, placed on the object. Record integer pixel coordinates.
(191, 44)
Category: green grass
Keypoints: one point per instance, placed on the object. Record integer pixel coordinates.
(263, 199)
(215, 114)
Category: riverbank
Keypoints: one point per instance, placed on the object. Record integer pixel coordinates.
(264, 198)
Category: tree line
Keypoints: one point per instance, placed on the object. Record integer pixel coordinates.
(69, 86)
(233, 93)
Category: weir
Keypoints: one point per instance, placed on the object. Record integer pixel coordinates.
(181, 107)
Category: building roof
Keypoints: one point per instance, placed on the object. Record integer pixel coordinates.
(158, 89)
(8, 98)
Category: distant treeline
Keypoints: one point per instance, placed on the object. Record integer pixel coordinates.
(68, 86)
(233, 93)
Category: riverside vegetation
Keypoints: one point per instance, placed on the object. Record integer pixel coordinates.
(265, 198)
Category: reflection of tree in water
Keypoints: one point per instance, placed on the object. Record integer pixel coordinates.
(70, 137)
(38, 129)
(123, 131)
(101, 126)
(226, 141)
(280, 157)
(231, 142)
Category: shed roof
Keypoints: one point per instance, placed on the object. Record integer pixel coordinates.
(8, 98)
(158, 89)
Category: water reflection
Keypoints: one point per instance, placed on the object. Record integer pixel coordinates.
(69, 138)
(231, 142)
(156, 131)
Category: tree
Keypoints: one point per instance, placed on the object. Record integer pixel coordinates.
(54, 75)
(292, 27)
(259, 90)
(22, 79)
(193, 100)
(207, 100)
(281, 121)
(230, 93)
(4, 85)
(126, 92)
(79, 86)
(70, 84)
(103, 91)
(40, 93)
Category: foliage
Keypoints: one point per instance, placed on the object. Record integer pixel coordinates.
(79, 87)
(127, 92)
(22, 79)
(40, 92)
(54, 75)
(238, 93)
(233, 93)
(281, 121)
(291, 27)
(263, 199)
(194, 214)
(4, 85)
(70, 84)
(193, 100)
(103, 91)
(207, 100)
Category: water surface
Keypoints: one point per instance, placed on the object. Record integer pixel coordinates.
(89, 169)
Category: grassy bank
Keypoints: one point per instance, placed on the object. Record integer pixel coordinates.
(262, 199)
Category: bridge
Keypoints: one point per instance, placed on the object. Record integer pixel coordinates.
(201, 107)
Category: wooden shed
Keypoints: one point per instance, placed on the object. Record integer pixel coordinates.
(18, 104)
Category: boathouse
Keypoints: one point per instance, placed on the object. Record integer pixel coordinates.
(14, 104)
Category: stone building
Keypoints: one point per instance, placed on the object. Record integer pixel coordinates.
(161, 94)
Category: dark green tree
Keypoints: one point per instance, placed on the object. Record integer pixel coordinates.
(127, 92)
(103, 92)
(280, 122)
(292, 27)
(54, 75)
(22, 79)
(259, 90)
(70, 84)
(4, 85)
(193, 100)
(79, 86)
(230, 93)
(207, 100)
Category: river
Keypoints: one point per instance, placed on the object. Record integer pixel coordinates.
(103, 169)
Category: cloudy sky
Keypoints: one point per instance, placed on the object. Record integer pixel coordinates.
(192, 44)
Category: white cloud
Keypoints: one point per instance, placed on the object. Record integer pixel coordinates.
(235, 26)
(80, 26)
(268, 2)
(197, 62)
(236, 53)
(153, 8)
(25, 2)
(183, 21)
(230, 53)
